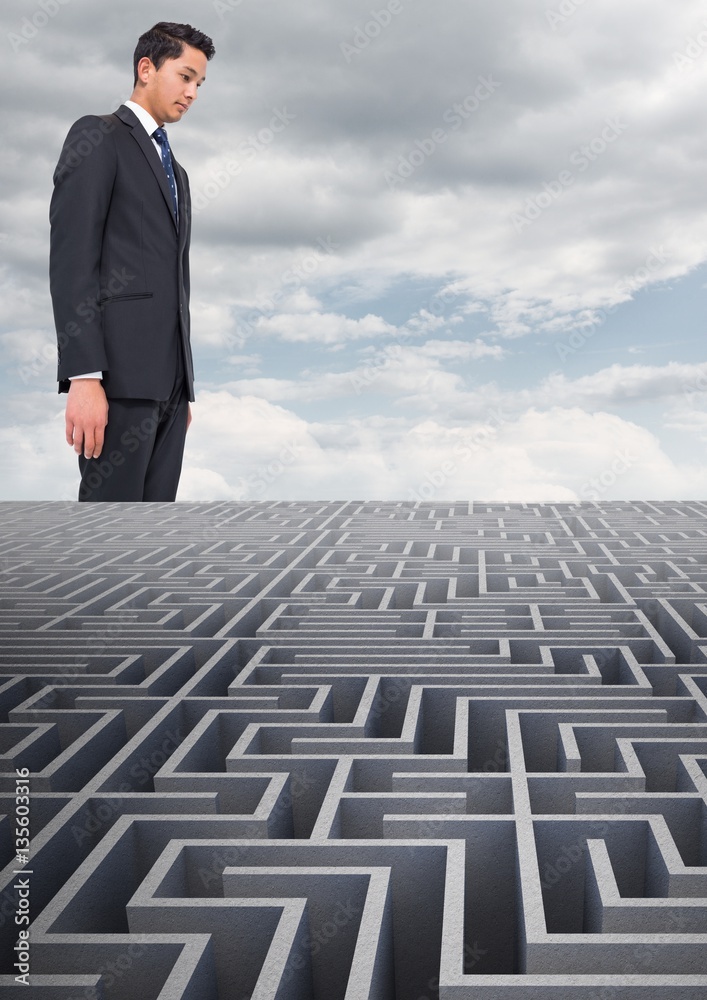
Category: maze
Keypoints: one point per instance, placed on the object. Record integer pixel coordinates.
(354, 751)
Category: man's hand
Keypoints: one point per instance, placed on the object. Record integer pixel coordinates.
(86, 416)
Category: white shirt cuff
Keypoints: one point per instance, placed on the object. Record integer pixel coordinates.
(87, 375)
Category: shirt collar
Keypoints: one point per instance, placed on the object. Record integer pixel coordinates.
(144, 117)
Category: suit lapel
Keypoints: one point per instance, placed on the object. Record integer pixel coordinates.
(151, 155)
(184, 205)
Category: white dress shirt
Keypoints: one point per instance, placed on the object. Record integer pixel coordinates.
(149, 124)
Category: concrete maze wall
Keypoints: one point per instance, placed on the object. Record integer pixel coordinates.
(355, 751)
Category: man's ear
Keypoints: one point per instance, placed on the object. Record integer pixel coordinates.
(144, 68)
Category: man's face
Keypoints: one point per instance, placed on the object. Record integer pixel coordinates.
(168, 92)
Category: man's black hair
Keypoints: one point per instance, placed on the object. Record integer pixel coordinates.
(166, 40)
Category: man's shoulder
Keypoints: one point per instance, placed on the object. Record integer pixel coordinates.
(99, 131)
(105, 122)
(92, 139)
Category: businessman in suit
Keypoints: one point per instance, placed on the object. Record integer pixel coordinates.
(119, 277)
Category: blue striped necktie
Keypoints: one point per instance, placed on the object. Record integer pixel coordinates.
(161, 136)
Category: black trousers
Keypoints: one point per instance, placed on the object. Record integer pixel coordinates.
(142, 451)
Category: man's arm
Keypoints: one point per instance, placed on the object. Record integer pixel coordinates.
(83, 183)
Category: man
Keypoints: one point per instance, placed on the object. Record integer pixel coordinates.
(119, 277)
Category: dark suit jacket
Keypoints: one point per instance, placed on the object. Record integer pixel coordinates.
(119, 264)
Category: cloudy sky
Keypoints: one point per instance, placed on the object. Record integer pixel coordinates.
(440, 250)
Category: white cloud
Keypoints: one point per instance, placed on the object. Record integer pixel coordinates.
(407, 374)
(37, 462)
(212, 324)
(611, 387)
(266, 452)
(33, 349)
(248, 364)
(622, 383)
(323, 328)
(458, 350)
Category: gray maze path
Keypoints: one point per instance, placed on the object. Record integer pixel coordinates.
(357, 751)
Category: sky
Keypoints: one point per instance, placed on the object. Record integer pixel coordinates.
(440, 250)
